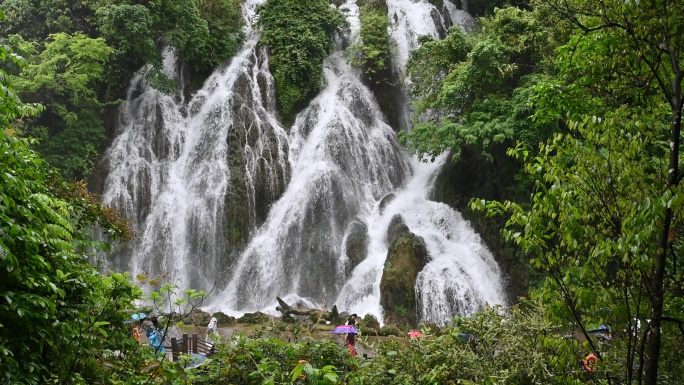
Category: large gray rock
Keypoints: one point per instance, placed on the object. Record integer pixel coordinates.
(356, 244)
(406, 257)
(396, 228)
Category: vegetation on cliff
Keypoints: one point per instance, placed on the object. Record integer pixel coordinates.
(82, 55)
(299, 35)
(589, 96)
(373, 52)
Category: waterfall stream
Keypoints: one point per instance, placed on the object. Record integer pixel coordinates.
(222, 195)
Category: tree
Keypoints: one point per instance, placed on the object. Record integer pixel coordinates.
(649, 38)
(373, 52)
(56, 310)
(608, 192)
(476, 90)
(67, 73)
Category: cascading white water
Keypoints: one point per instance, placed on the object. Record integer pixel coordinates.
(185, 172)
(170, 166)
(344, 158)
(461, 274)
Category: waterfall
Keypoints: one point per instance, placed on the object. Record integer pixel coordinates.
(186, 172)
(222, 194)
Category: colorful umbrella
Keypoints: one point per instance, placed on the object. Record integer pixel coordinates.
(415, 334)
(138, 316)
(344, 329)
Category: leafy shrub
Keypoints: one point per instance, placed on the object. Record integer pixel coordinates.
(273, 361)
(224, 319)
(58, 312)
(371, 322)
(373, 54)
(391, 330)
(299, 35)
(254, 318)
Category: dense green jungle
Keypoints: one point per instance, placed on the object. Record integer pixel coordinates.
(562, 119)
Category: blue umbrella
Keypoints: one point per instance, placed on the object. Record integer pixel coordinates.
(344, 329)
(601, 328)
(138, 316)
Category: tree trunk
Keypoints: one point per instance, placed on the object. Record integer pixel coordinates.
(287, 309)
(657, 286)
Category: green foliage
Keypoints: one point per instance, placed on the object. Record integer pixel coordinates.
(497, 346)
(66, 73)
(224, 20)
(373, 53)
(371, 322)
(299, 36)
(55, 306)
(57, 312)
(22, 17)
(594, 220)
(391, 330)
(608, 192)
(478, 90)
(254, 318)
(128, 28)
(12, 110)
(273, 361)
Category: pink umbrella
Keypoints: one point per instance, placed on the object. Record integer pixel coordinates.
(414, 334)
(344, 329)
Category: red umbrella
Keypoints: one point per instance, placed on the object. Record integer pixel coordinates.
(414, 334)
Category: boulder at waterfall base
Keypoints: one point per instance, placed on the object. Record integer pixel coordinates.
(356, 244)
(406, 257)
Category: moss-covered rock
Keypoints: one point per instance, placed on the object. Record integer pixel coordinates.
(258, 171)
(257, 318)
(396, 228)
(223, 319)
(198, 317)
(406, 257)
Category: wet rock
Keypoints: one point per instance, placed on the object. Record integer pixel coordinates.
(386, 200)
(356, 244)
(223, 319)
(198, 317)
(396, 228)
(406, 257)
(254, 318)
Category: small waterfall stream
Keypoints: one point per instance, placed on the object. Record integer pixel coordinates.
(223, 194)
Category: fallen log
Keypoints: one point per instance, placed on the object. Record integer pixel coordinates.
(284, 308)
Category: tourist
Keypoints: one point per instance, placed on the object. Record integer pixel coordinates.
(212, 330)
(351, 337)
(156, 337)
